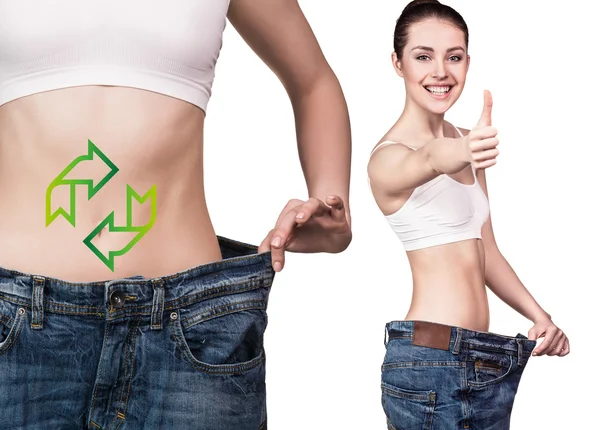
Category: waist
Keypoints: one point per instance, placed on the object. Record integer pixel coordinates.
(242, 271)
(458, 266)
(462, 258)
(456, 338)
(118, 167)
(166, 233)
(449, 285)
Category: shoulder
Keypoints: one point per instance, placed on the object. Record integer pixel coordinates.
(388, 147)
(385, 155)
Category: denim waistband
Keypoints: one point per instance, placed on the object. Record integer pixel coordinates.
(241, 270)
(461, 339)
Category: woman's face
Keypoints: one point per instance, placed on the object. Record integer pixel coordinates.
(434, 64)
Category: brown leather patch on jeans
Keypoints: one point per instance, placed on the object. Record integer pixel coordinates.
(432, 335)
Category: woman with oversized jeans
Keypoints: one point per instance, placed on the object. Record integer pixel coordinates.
(113, 318)
(443, 369)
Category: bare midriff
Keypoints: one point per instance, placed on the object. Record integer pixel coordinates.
(154, 141)
(449, 285)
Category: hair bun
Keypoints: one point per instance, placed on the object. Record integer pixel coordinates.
(419, 2)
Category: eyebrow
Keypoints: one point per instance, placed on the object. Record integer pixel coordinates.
(427, 48)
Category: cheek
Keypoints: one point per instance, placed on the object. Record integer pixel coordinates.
(415, 73)
(459, 72)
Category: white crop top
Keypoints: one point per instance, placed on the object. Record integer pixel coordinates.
(169, 47)
(440, 211)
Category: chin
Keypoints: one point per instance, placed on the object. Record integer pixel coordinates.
(437, 107)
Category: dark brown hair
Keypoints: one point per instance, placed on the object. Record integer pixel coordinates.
(419, 10)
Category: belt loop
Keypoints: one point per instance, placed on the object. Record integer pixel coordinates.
(385, 336)
(37, 303)
(158, 304)
(520, 352)
(456, 348)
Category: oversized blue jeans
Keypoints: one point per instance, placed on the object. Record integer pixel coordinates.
(438, 377)
(183, 351)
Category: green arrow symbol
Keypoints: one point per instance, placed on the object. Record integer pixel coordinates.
(72, 183)
(109, 221)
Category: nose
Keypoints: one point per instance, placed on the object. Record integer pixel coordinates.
(439, 72)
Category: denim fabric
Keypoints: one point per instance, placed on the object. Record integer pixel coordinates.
(469, 385)
(183, 351)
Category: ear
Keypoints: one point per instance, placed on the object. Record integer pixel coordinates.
(468, 62)
(397, 65)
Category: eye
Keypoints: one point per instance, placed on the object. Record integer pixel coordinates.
(455, 58)
(422, 57)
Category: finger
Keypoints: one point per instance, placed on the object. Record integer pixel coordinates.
(281, 236)
(312, 207)
(566, 348)
(484, 164)
(534, 334)
(483, 144)
(488, 154)
(556, 341)
(277, 251)
(541, 347)
(277, 260)
(481, 133)
(338, 212)
(559, 347)
(486, 114)
(292, 203)
(265, 245)
(545, 345)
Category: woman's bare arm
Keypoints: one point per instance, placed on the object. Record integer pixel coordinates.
(280, 35)
(396, 168)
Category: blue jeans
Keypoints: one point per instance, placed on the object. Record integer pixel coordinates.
(183, 351)
(437, 377)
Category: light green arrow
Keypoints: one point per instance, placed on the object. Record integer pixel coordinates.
(110, 221)
(72, 183)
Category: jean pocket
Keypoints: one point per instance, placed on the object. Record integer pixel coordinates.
(224, 339)
(407, 409)
(12, 317)
(489, 369)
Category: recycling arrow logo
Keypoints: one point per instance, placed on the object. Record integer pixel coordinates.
(93, 189)
(72, 184)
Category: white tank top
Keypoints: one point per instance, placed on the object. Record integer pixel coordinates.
(169, 47)
(440, 211)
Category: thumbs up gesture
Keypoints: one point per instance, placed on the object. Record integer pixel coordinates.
(481, 143)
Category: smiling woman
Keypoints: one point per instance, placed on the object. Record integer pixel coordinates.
(428, 179)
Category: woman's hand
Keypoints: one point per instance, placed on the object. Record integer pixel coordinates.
(555, 341)
(307, 227)
(481, 143)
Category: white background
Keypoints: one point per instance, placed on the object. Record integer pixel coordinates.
(327, 312)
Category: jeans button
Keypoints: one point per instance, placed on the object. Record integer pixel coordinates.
(117, 299)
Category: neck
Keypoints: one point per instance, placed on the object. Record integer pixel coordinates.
(422, 121)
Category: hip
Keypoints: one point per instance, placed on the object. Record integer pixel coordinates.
(242, 270)
(433, 343)
(160, 345)
(437, 376)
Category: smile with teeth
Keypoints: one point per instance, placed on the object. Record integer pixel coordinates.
(438, 89)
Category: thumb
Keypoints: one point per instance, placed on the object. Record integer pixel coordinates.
(534, 333)
(486, 114)
(265, 245)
